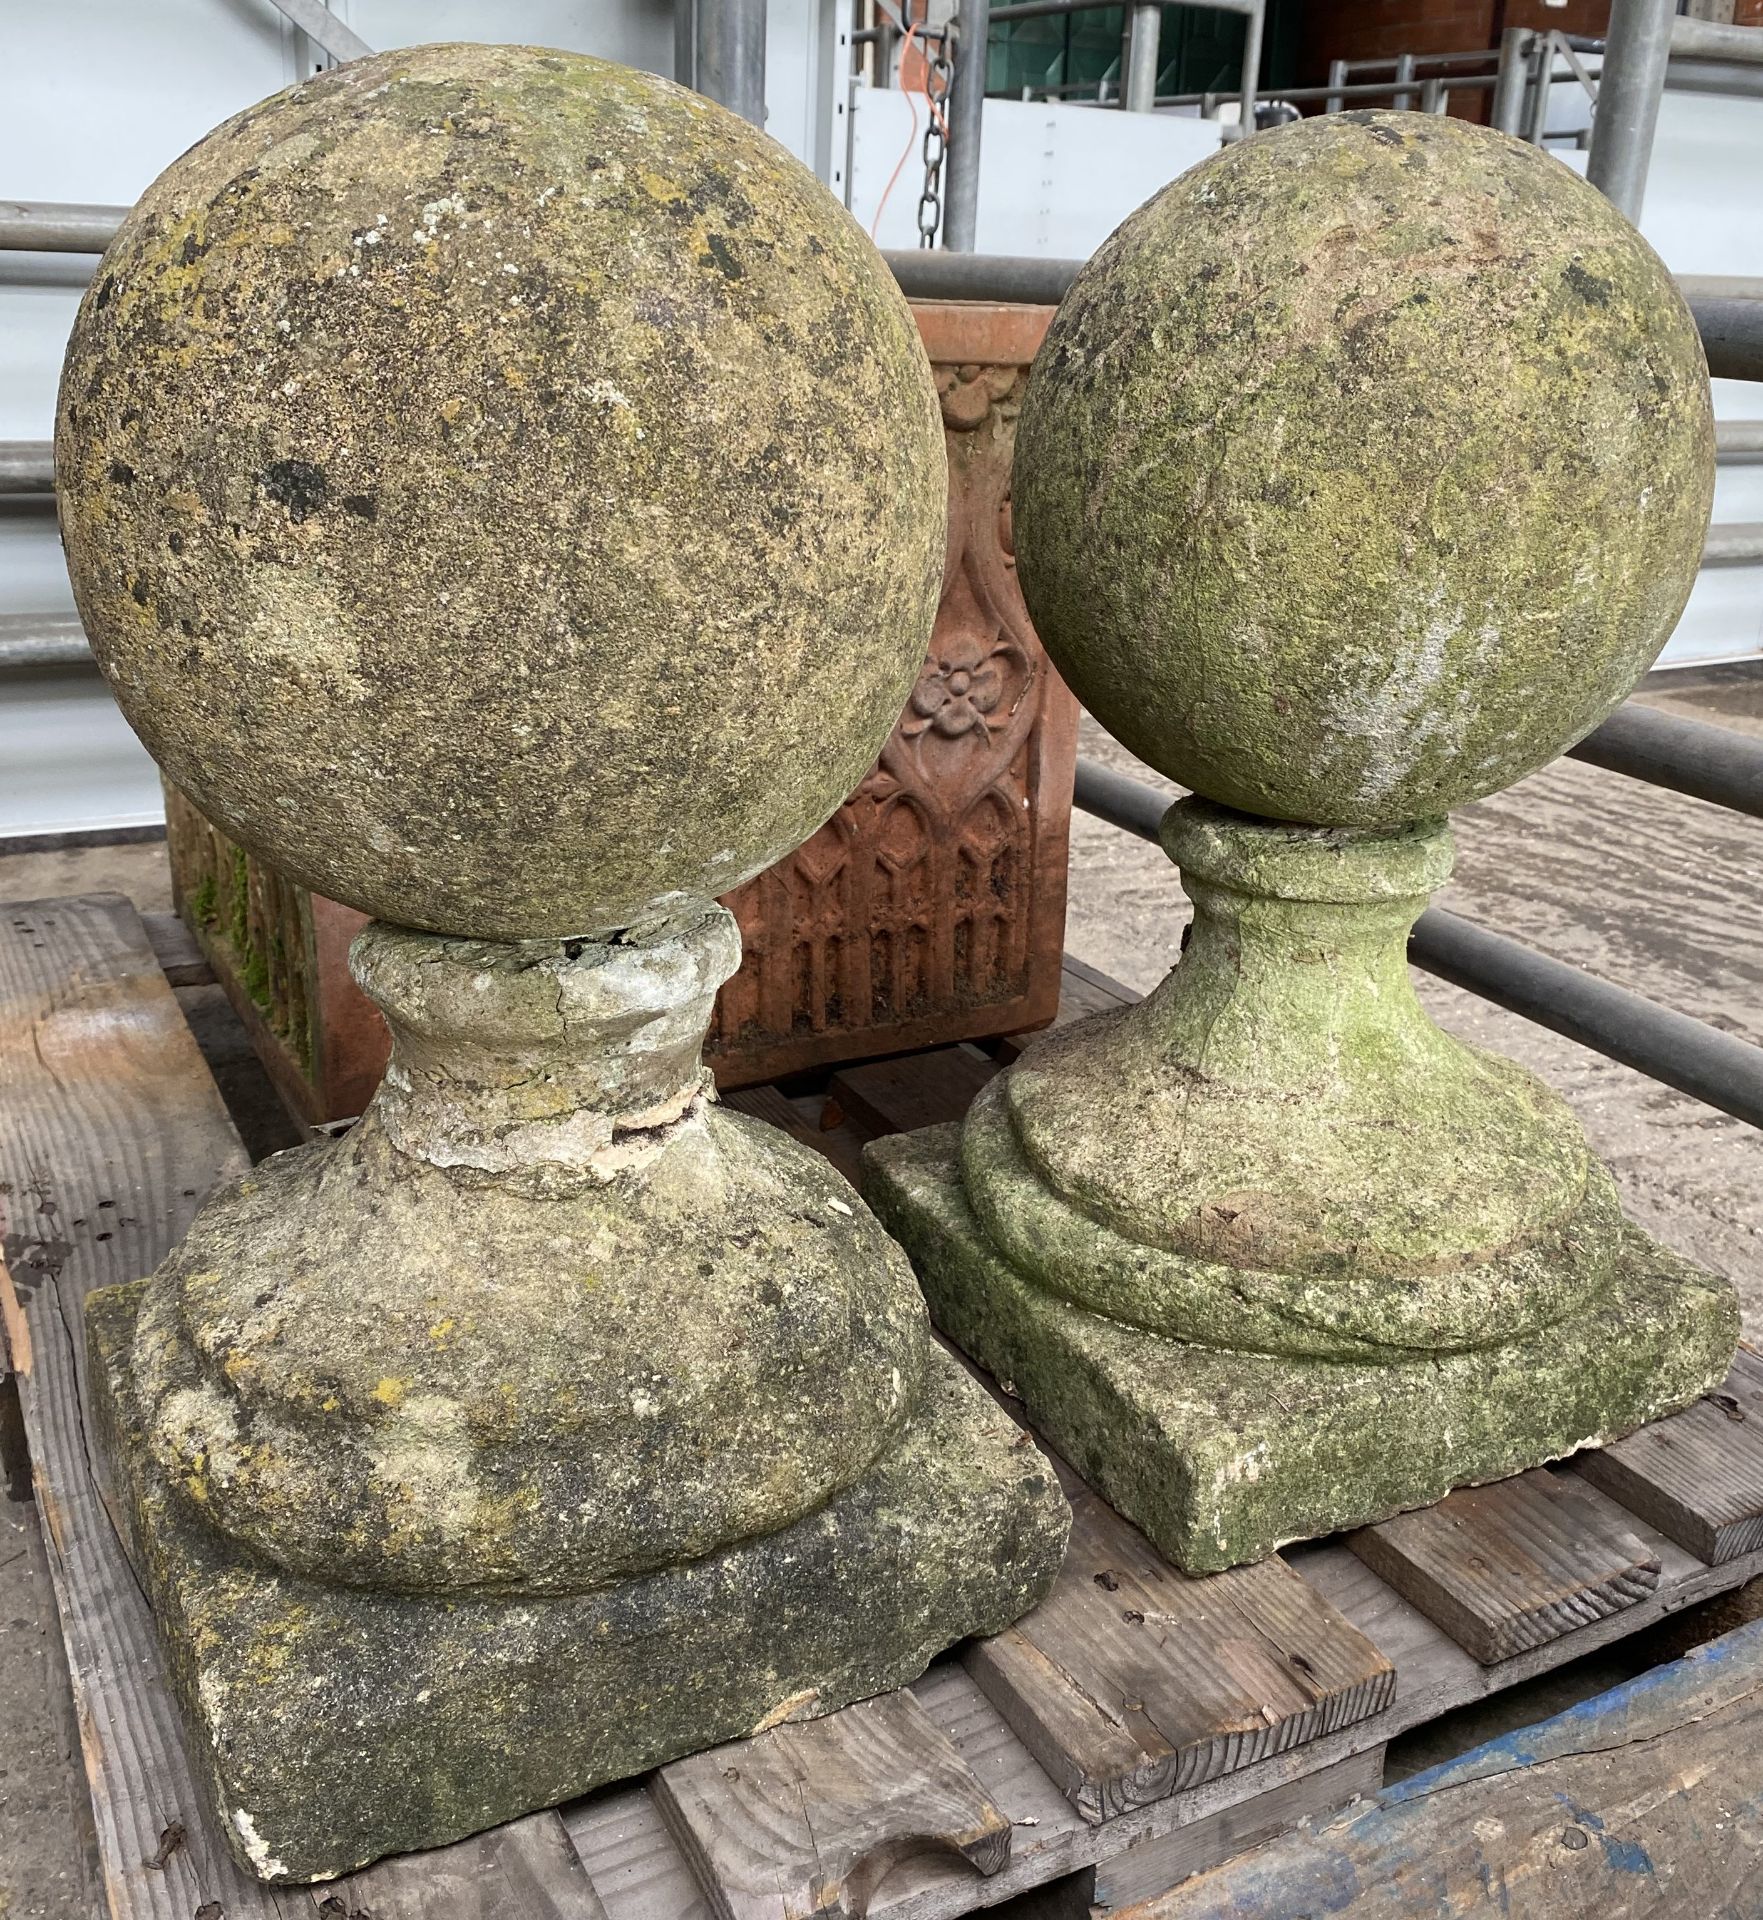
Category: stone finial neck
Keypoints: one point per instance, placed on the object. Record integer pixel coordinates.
(1281, 860)
(544, 1062)
(1299, 946)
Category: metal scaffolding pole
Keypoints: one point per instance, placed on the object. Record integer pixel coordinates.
(1253, 28)
(36, 226)
(1635, 53)
(1144, 29)
(1404, 101)
(1508, 108)
(1542, 81)
(1337, 78)
(973, 32)
(719, 51)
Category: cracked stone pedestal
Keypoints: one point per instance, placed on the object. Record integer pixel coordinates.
(551, 1424)
(1269, 1254)
(1361, 471)
(507, 493)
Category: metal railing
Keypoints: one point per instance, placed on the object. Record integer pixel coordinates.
(1688, 1054)
(1731, 326)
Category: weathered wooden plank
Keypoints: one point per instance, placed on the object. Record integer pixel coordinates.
(526, 1870)
(641, 1875)
(1155, 1865)
(638, 1871)
(1090, 990)
(809, 1819)
(1132, 1681)
(1698, 1475)
(1508, 1567)
(1644, 1802)
(114, 1133)
(917, 1090)
(181, 960)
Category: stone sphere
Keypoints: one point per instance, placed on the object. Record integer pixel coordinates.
(1363, 469)
(503, 489)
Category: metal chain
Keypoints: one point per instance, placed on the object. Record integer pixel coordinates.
(939, 77)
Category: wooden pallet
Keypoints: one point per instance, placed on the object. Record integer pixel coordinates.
(1138, 1727)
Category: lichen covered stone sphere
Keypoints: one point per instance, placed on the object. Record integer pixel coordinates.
(502, 488)
(1363, 469)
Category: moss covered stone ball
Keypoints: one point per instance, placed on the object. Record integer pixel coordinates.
(1363, 469)
(502, 488)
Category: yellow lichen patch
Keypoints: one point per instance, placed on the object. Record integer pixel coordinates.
(390, 1392)
(658, 187)
(442, 1331)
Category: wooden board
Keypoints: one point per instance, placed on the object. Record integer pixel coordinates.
(1155, 1865)
(1697, 1476)
(181, 960)
(808, 1820)
(1507, 1567)
(1645, 1802)
(1133, 1681)
(526, 1870)
(114, 1133)
(917, 1090)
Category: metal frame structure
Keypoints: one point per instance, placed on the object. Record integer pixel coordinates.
(1144, 24)
(719, 51)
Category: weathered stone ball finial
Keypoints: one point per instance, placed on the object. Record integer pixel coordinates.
(472, 484)
(507, 491)
(1362, 470)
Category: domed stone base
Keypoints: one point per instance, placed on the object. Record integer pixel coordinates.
(1220, 1456)
(335, 1724)
(551, 1424)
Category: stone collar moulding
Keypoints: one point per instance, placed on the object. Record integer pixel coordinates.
(506, 491)
(1361, 471)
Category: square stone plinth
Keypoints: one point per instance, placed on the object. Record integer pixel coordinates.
(333, 1724)
(1221, 1457)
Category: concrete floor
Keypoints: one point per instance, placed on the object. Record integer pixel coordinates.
(1649, 889)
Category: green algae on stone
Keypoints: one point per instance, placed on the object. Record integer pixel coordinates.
(1277, 1149)
(1222, 1242)
(1222, 1456)
(1363, 469)
(474, 461)
(507, 493)
(550, 1424)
